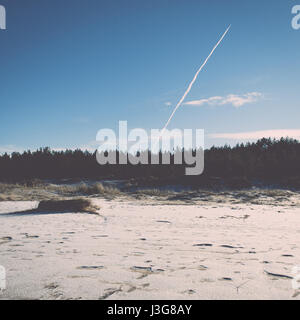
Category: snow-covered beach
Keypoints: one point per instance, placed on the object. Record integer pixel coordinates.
(150, 249)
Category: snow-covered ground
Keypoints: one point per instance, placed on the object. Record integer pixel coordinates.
(149, 250)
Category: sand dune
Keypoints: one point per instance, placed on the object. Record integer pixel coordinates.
(148, 250)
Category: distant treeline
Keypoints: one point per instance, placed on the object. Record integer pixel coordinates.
(267, 162)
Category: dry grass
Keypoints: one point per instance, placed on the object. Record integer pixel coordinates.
(85, 189)
(2, 197)
(153, 192)
(5, 187)
(46, 191)
(73, 205)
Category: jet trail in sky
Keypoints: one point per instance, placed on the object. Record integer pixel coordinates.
(193, 81)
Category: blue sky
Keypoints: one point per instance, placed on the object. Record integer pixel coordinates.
(72, 67)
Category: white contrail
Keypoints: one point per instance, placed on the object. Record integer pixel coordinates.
(193, 81)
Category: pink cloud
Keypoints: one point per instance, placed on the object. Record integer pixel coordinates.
(255, 135)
